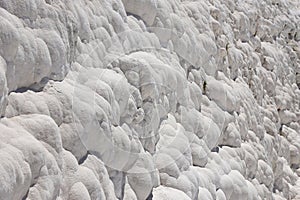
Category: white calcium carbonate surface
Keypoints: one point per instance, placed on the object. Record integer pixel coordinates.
(149, 99)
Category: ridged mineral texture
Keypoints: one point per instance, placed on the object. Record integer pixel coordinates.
(149, 99)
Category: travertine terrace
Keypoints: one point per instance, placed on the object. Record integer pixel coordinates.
(149, 99)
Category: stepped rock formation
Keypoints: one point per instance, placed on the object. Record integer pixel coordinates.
(149, 99)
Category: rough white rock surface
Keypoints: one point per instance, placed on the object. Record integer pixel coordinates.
(149, 99)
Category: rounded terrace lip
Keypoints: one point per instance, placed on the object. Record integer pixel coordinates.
(149, 99)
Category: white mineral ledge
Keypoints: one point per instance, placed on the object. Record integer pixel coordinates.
(149, 99)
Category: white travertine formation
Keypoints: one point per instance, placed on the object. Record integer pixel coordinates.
(149, 99)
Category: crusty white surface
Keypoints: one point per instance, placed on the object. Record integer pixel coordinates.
(129, 99)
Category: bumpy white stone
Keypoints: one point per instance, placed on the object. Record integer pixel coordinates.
(141, 99)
